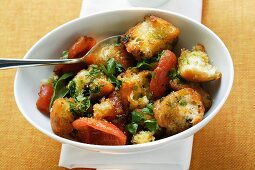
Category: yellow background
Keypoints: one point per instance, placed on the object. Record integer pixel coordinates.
(227, 142)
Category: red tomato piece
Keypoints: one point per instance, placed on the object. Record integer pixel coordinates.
(82, 45)
(45, 94)
(99, 132)
(78, 49)
(160, 79)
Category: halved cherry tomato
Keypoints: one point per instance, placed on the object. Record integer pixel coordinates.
(82, 45)
(99, 132)
(78, 49)
(45, 94)
(160, 79)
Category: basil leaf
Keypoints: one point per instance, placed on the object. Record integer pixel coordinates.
(60, 89)
(136, 117)
(132, 128)
(151, 125)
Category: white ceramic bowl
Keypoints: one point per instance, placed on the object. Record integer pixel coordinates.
(27, 81)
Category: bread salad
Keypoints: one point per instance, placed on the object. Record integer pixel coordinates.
(131, 92)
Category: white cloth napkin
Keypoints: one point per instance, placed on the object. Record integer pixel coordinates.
(174, 156)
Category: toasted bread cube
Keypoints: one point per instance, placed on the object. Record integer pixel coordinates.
(194, 65)
(179, 110)
(143, 137)
(61, 117)
(135, 90)
(107, 51)
(177, 84)
(109, 108)
(92, 80)
(150, 37)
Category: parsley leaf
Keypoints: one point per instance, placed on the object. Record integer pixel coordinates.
(94, 70)
(151, 125)
(136, 117)
(60, 89)
(112, 69)
(148, 64)
(72, 88)
(148, 109)
(173, 74)
(80, 106)
(96, 89)
(64, 55)
(132, 128)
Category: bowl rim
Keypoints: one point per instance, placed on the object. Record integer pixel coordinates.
(181, 135)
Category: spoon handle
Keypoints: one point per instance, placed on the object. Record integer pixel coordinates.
(14, 63)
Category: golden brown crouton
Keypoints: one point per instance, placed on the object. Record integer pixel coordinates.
(177, 84)
(91, 80)
(61, 117)
(194, 66)
(107, 51)
(143, 137)
(109, 108)
(179, 110)
(135, 91)
(150, 37)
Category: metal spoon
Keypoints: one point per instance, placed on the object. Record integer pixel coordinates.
(14, 63)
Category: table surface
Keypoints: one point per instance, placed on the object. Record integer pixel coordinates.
(227, 142)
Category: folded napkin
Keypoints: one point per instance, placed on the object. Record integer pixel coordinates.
(174, 156)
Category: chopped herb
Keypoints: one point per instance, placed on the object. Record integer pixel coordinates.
(60, 89)
(96, 89)
(80, 106)
(64, 55)
(151, 125)
(94, 71)
(80, 98)
(156, 36)
(136, 117)
(170, 104)
(111, 70)
(118, 42)
(161, 99)
(125, 39)
(132, 128)
(150, 106)
(148, 109)
(141, 121)
(173, 74)
(147, 64)
(72, 88)
(144, 65)
(183, 102)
